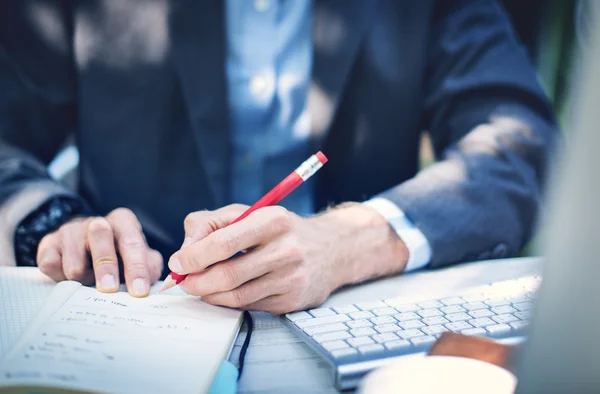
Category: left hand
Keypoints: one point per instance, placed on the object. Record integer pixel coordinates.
(291, 262)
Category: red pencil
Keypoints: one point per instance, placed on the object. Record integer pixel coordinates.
(273, 197)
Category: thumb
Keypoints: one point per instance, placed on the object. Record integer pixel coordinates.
(200, 224)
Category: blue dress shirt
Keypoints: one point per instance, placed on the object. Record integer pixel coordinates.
(268, 70)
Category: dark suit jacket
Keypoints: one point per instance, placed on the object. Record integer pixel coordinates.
(141, 85)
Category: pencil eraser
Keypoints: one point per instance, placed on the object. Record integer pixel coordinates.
(321, 157)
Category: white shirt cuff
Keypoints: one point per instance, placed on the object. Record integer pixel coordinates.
(419, 250)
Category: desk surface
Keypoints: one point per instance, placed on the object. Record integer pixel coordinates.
(278, 362)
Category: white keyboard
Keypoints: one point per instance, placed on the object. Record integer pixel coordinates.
(356, 337)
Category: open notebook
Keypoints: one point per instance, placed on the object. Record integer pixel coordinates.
(86, 341)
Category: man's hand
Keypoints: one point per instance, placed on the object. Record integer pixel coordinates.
(290, 262)
(85, 249)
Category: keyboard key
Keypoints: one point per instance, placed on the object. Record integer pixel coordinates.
(452, 301)
(366, 349)
(518, 299)
(298, 316)
(430, 304)
(384, 311)
(367, 306)
(432, 321)
(525, 315)
(481, 313)
(361, 332)
(425, 340)
(497, 302)
(519, 325)
(325, 328)
(434, 330)
(506, 318)
(387, 337)
(498, 329)
(475, 297)
(334, 345)
(482, 322)
(452, 309)
(345, 309)
(383, 320)
(411, 324)
(430, 312)
(408, 334)
(458, 326)
(403, 308)
(331, 336)
(454, 317)
(386, 328)
(320, 312)
(500, 310)
(407, 316)
(319, 321)
(473, 306)
(400, 344)
(474, 331)
(359, 323)
(361, 315)
(341, 353)
(356, 342)
(524, 306)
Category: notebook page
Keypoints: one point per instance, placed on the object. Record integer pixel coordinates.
(115, 343)
(23, 290)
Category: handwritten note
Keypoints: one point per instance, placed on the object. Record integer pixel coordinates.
(116, 343)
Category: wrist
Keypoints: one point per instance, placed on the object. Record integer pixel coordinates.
(365, 246)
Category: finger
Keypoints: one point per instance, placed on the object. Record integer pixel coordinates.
(155, 265)
(101, 244)
(232, 273)
(198, 225)
(133, 250)
(49, 257)
(259, 227)
(249, 293)
(74, 255)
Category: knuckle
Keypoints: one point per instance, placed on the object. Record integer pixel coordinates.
(229, 275)
(238, 298)
(132, 241)
(75, 272)
(104, 260)
(281, 219)
(298, 280)
(294, 250)
(191, 262)
(123, 213)
(99, 226)
(227, 244)
(190, 220)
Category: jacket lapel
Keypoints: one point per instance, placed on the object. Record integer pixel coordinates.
(338, 31)
(199, 50)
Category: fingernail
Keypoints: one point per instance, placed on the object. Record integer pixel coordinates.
(186, 242)
(175, 266)
(140, 288)
(108, 283)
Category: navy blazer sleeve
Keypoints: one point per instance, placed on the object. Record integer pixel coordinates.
(37, 112)
(493, 132)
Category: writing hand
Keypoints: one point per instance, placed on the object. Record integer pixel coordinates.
(86, 249)
(291, 262)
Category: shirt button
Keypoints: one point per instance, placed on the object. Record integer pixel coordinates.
(261, 5)
(258, 85)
